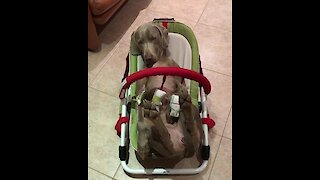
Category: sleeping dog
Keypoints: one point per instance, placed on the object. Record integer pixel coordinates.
(161, 131)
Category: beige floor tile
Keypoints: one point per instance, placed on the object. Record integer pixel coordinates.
(96, 60)
(186, 9)
(222, 168)
(219, 100)
(94, 175)
(215, 47)
(103, 141)
(218, 13)
(109, 78)
(214, 141)
(147, 16)
(228, 130)
(219, 126)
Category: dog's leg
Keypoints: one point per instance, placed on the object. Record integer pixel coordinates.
(193, 128)
(192, 120)
(159, 128)
(187, 140)
(144, 133)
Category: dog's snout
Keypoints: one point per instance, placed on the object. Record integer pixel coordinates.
(149, 63)
(148, 59)
(147, 56)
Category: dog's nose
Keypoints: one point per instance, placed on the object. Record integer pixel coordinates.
(148, 59)
(147, 55)
(149, 62)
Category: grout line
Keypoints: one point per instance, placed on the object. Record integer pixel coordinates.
(225, 125)
(217, 27)
(227, 138)
(220, 142)
(214, 160)
(197, 22)
(217, 133)
(108, 56)
(116, 172)
(205, 7)
(217, 72)
(99, 172)
(216, 156)
(208, 24)
(102, 92)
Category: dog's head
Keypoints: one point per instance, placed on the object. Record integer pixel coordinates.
(151, 41)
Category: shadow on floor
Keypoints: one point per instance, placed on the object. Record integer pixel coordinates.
(112, 31)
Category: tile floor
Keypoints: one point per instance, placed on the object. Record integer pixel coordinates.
(211, 23)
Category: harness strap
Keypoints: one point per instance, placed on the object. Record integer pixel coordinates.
(182, 81)
(163, 80)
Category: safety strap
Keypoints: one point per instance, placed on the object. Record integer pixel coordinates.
(208, 121)
(119, 122)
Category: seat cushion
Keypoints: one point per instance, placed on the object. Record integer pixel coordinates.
(180, 51)
(98, 7)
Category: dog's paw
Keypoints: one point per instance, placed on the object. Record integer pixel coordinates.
(150, 110)
(183, 96)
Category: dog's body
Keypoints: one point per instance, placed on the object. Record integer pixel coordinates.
(159, 134)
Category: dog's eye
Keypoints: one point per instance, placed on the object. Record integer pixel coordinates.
(140, 42)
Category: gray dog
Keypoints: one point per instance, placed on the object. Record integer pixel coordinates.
(157, 132)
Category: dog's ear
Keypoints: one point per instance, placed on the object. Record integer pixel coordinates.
(164, 33)
(134, 50)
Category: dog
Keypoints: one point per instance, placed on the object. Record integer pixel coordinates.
(160, 134)
(151, 41)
